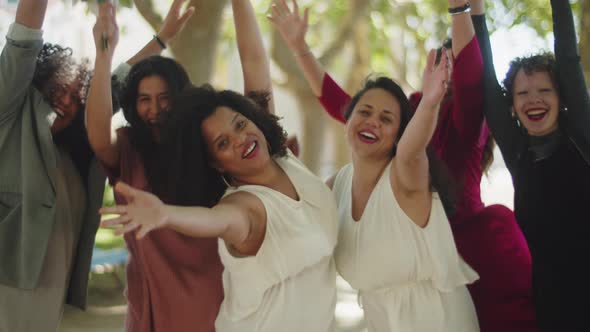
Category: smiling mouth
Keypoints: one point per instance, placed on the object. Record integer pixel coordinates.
(59, 113)
(250, 149)
(536, 115)
(367, 137)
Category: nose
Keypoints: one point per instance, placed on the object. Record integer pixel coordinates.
(373, 122)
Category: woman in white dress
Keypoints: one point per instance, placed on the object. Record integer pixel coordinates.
(277, 222)
(395, 244)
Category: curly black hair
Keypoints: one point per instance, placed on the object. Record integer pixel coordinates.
(187, 177)
(440, 179)
(542, 62)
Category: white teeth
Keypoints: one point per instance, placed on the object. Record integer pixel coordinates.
(368, 135)
(539, 112)
(58, 112)
(250, 149)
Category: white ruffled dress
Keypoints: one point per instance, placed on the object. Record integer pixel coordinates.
(409, 278)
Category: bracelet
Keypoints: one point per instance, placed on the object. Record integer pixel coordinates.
(302, 54)
(160, 42)
(460, 10)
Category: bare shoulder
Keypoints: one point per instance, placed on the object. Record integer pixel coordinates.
(254, 211)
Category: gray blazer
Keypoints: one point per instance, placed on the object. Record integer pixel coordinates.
(28, 167)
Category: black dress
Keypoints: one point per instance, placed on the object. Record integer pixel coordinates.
(551, 177)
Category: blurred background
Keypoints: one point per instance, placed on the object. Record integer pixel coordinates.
(352, 39)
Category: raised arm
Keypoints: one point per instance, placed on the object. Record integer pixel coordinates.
(293, 27)
(31, 13)
(173, 23)
(230, 220)
(19, 56)
(497, 110)
(411, 160)
(467, 76)
(253, 55)
(571, 78)
(99, 106)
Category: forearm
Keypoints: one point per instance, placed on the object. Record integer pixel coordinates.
(150, 49)
(418, 133)
(99, 112)
(203, 222)
(462, 27)
(253, 55)
(312, 69)
(468, 89)
(334, 99)
(31, 13)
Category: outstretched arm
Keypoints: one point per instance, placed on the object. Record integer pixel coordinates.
(19, 56)
(31, 13)
(99, 106)
(293, 27)
(173, 23)
(572, 83)
(253, 55)
(497, 110)
(412, 165)
(467, 76)
(230, 220)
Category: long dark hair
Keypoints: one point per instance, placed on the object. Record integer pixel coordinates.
(186, 175)
(440, 179)
(140, 133)
(54, 71)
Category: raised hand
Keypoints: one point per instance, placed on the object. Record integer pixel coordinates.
(291, 25)
(175, 20)
(435, 79)
(106, 31)
(143, 213)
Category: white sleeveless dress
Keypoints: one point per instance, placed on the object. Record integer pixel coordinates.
(290, 285)
(409, 278)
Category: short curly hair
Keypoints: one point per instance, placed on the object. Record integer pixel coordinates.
(542, 62)
(56, 69)
(187, 177)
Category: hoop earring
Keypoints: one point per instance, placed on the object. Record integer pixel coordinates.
(225, 181)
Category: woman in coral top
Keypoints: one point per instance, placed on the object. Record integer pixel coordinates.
(488, 238)
(174, 281)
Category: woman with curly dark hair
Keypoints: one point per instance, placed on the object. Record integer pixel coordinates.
(174, 281)
(540, 121)
(49, 183)
(277, 221)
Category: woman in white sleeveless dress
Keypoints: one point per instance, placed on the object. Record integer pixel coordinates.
(395, 244)
(277, 222)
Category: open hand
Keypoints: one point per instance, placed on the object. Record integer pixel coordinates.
(435, 78)
(175, 20)
(144, 212)
(290, 24)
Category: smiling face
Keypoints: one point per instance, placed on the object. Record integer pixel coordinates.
(236, 145)
(152, 98)
(373, 125)
(536, 102)
(65, 102)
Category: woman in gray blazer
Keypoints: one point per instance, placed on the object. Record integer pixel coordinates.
(50, 183)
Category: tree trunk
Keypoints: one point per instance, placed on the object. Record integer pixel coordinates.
(196, 46)
(585, 38)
